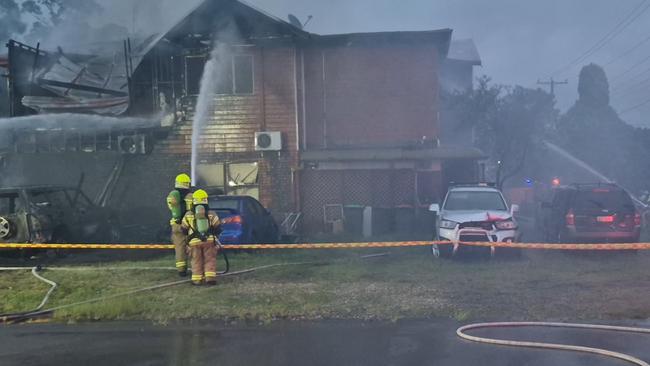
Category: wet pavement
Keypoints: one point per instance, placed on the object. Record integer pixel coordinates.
(423, 342)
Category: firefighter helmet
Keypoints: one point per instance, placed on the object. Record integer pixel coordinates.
(183, 181)
(200, 197)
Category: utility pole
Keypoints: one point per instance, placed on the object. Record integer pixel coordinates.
(552, 83)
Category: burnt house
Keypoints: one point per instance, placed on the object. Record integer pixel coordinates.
(305, 122)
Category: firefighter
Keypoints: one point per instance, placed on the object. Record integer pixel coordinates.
(202, 227)
(179, 202)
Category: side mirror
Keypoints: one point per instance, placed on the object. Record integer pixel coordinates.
(434, 208)
(514, 208)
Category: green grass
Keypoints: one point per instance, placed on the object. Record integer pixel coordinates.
(408, 283)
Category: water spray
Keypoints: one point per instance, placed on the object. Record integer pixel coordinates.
(208, 87)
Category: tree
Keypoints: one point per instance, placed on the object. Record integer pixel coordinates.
(509, 123)
(592, 131)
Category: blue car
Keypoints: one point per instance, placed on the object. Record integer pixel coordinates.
(244, 220)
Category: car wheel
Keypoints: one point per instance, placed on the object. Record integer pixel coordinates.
(6, 229)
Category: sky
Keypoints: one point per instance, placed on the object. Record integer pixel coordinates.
(520, 42)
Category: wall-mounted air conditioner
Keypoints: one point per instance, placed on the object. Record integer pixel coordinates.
(132, 144)
(268, 141)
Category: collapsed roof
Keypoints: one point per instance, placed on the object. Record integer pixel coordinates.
(97, 81)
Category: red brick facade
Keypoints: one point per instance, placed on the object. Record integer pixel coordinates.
(382, 95)
(229, 133)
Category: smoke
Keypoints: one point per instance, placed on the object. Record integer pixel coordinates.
(204, 104)
(77, 121)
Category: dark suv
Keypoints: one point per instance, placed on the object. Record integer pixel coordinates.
(47, 214)
(583, 213)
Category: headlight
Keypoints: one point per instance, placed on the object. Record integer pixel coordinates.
(506, 225)
(446, 224)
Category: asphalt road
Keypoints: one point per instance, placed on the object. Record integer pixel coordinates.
(430, 342)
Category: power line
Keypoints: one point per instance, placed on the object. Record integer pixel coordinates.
(635, 78)
(635, 107)
(617, 77)
(630, 88)
(638, 10)
(628, 51)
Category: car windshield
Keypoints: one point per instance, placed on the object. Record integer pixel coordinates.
(602, 199)
(224, 204)
(474, 200)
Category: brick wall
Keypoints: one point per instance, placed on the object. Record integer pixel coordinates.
(384, 95)
(228, 134)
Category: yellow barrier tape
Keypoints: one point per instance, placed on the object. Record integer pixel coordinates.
(230, 246)
(608, 246)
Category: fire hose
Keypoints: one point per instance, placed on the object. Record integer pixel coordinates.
(225, 258)
(53, 286)
(461, 332)
(26, 315)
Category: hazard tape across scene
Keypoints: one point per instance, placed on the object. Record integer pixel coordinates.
(547, 246)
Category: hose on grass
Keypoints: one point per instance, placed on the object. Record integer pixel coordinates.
(23, 316)
(37, 313)
(53, 286)
(225, 258)
(462, 333)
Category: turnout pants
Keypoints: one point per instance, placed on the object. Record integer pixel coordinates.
(180, 240)
(204, 262)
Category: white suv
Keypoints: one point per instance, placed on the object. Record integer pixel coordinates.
(474, 213)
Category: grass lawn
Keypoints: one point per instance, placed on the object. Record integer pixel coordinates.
(407, 283)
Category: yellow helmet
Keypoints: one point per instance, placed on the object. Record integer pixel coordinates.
(200, 197)
(183, 181)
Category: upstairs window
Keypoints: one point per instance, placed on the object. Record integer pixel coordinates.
(235, 76)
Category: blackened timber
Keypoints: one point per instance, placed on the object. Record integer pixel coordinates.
(94, 89)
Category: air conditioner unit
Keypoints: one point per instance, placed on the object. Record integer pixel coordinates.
(268, 141)
(132, 144)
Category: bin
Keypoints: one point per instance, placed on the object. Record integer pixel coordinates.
(353, 219)
(382, 220)
(404, 219)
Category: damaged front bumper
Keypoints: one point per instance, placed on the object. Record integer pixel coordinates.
(457, 236)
